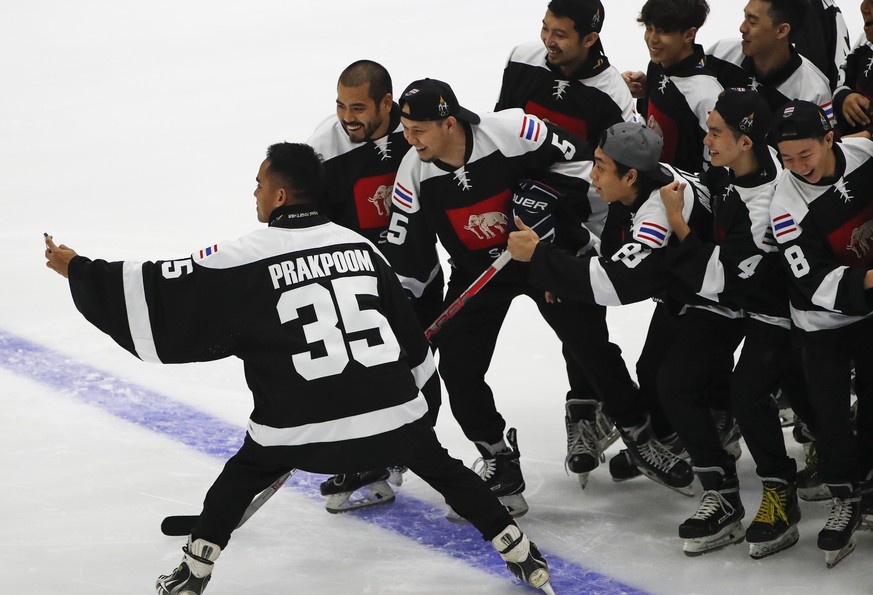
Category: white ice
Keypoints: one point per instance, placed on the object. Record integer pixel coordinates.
(134, 131)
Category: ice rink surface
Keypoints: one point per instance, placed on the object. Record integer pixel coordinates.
(133, 132)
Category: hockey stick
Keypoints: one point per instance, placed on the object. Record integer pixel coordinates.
(182, 524)
(471, 291)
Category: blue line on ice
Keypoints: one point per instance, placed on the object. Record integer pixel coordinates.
(207, 434)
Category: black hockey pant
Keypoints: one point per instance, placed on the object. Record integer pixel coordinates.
(415, 445)
(827, 359)
(466, 345)
(703, 342)
(661, 335)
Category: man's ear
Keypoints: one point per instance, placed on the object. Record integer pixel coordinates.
(281, 197)
(590, 39)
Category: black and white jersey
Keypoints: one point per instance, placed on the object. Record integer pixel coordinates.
(632, 265)
(857, 78)
(825, 236)
(359, 176)
(331, 347)
(591, 100)
(468, 208)
(824, 39)
(741, 267)
(678, 101)
(797, 79)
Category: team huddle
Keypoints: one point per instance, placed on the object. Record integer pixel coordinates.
(728, 184)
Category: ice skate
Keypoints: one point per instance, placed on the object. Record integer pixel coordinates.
(523, 558)
(837, 539)
(501, 472)
(589, 433)
(656, 461)
(787, 416)
(352, 491)
(809, 486)
(622, 467)
(728, 432)
(775, 526)
(718, 520)
(193, 574)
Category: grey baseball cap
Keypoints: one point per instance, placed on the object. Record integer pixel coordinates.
(636, 146)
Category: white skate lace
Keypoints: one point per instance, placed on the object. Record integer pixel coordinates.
(657, 455)
(485, 468)
(711, 502)
(582, 438)
(840, 515)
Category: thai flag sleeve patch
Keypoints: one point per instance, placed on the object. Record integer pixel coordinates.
(403, 197)
(651, 234)
(531, 128)
(208, 251)
(784, 228)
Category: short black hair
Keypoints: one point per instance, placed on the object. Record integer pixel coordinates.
(299, 168)
(367, 72)
(674, 15)
(793, 12)
(575, 10)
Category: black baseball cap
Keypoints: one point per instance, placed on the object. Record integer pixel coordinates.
(747, 112)
(637, 146)
(587, 15)
(798, 119)
(430, 99)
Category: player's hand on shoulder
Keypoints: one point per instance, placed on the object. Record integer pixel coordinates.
(636, 82)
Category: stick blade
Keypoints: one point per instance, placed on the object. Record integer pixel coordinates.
(178, 525)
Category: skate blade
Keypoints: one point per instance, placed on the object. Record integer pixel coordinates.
(833, 557)
(547, 589)
(515, 504)
(365, 497)
(583, 479)
(768, 548)
(703, 545)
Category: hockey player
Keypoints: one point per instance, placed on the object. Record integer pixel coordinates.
(823, 38)
(632, 264)
(739, 271)
(822, 216)
(457, 185)
(681, 83)
(852, 98)
(332, 351)
(362, 146)
(567, 79)
(773, 66)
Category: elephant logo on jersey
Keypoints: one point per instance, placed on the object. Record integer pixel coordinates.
(652, 123)
(753, 83)
(662, 84)
(560, 87)
(869, 66)
(382, 200)
(860, 239)
(484, 222)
